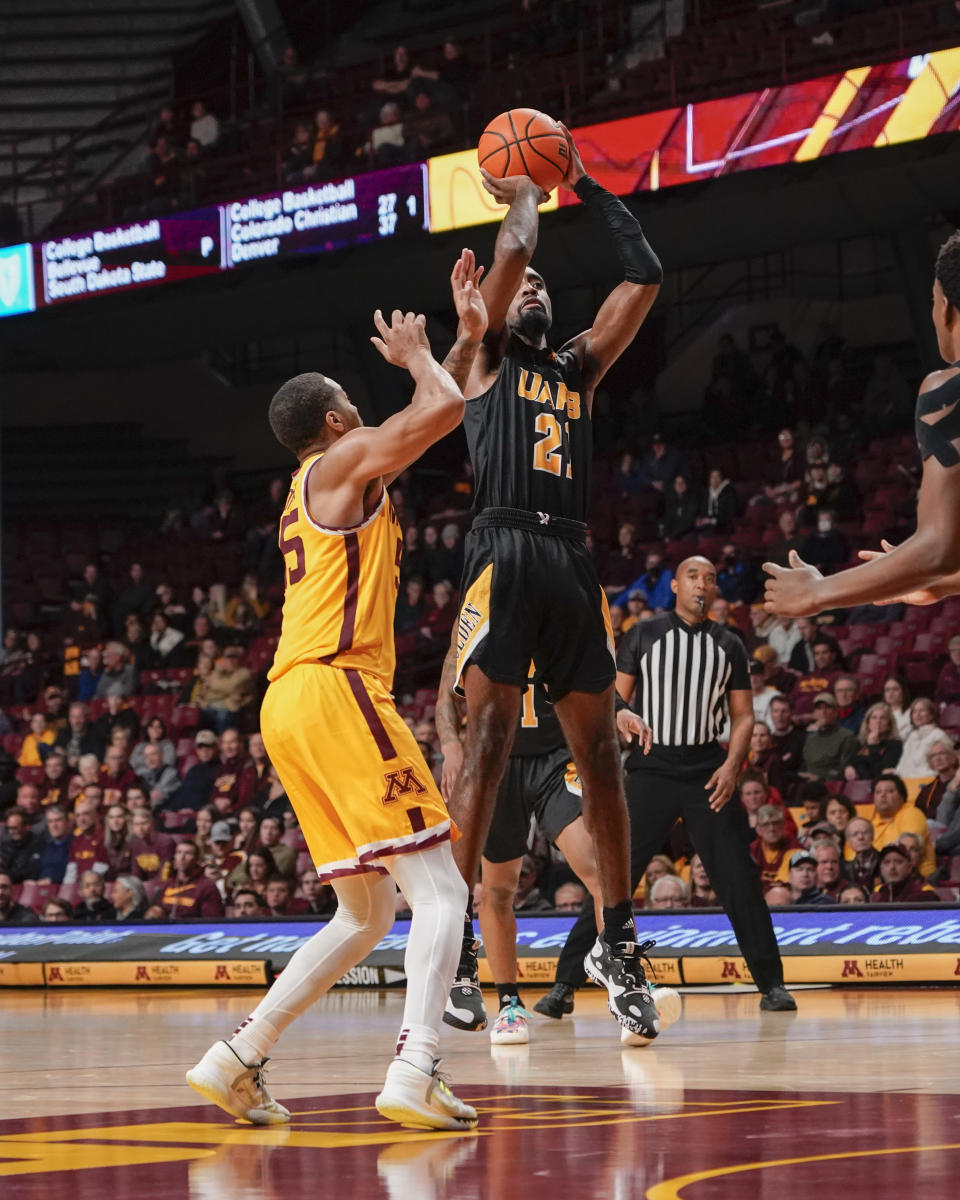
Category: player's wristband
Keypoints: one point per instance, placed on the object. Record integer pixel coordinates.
(640, 264)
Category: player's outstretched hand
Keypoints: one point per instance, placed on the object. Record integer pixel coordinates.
(575, 170)
(920, 596)
(403, 338)
(467, 299)
(792, 591)
(630, 726)
(509, 189)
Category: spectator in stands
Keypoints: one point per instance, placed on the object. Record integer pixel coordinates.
(948, 682)
(762, 694)
(28, 801)
(812, 797)
(778, 895)
(53, 848)
(284, 856)
(163, 167)
(134, 597)
(119, 676)
(787, 737)
(88, 770)
(90, 675)
(735, 579)
(801, 657)
(763, 757)
(942, 759)
(428, 129)
(298, 165)
(441, 614)
(190, 893)
(87, 851)
(680, 510)
(204, 127)
(702, 894)
(116, 841)
(137, 644)
(256, 872)
(115, 775)
(276, 802)
(879, 746)
(279, 899)
(136, 799)
(782, 639)
(328, 150)
(660, 465)
(151, 851)
(156, 735)
(888, 400)
(625, 561)
(900, 883)
(320, 901)
(93, 906)
(840, 812)
(627, 479)
(411, 610)
(842, 496)
(452, 77)
(897, 695)
(829, 746)
(670, 891)
(654, 584)
(129, 898)
(569, 897)
(913, 762)
(787, 474)
(398, 74)
(827, 665)
(12, 913)
(18, 846)
(246, 903)
(55, 781)
(825, 548)
(850, 711)
(165, 642)
(162, 780)
(227, 691)
(802, 878)
(948, 815)
(528, 897)
(193, 172)
(853, 893)
(79, 736)
(37, 742)
(772, 847)
(386, 146)
(230, 785)
(165, 125)
(915, 848)
(718, 506)
(829, 880)
(892, 816)
(861, 860)
(56, 910)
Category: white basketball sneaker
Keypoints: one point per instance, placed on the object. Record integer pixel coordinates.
(669, 1009)
(510, 1027)
(413, 1097)
(225, 1080)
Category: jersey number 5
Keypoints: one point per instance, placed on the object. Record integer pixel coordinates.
(547, 452)
(292, 545)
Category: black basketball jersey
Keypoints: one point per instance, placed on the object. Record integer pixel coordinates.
(938, 422)
(539, 731)
(529, 435)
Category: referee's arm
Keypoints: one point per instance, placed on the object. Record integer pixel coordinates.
(722, 783)
(629, 725)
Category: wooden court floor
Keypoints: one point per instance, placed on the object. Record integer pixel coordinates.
(858, 1093)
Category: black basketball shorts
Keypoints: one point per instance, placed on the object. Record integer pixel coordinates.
(530, 596)
(545, 786)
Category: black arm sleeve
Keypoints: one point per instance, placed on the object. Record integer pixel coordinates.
(640, 264)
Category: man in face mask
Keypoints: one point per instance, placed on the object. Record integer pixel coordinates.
(734, 577)
(825, 547)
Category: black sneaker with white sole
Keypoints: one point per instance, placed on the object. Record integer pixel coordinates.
(465, 1007)
(557, 1002)
(618, 968)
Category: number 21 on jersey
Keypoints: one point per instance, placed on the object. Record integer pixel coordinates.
(548, 451)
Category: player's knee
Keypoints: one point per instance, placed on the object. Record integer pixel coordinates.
(598, 764)
(498, 897)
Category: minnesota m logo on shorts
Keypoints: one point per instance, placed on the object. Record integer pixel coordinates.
(401, 783)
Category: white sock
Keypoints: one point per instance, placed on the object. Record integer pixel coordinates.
(437, 896)
(363, 917)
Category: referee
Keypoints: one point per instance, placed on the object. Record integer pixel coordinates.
(688, 671)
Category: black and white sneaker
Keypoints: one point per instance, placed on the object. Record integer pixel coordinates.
(619, 969)
(557, 1002)
(465, 1007)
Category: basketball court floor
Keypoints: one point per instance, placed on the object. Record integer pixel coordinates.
(856, 1095)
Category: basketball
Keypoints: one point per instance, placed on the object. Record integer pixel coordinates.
(524, 141)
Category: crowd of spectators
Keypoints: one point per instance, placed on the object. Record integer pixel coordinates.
(133, 778)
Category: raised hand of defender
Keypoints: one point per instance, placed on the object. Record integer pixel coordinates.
(403, 338)
(575, 169)
(467, 299)
(920, 596)
(509, 189)
(792, 591)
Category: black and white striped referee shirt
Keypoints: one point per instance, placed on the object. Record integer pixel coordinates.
(683, 674)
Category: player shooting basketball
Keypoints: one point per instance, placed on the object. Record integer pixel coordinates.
(926, 567)
(530, 590)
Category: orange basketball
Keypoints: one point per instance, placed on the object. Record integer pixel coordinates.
(524, 141)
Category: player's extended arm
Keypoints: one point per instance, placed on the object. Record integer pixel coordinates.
(626, 308)
(369, 453)
(925, 561)
(447, 721)
(472, 318)
(515, 244)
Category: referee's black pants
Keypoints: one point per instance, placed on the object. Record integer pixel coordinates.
(669, 785)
